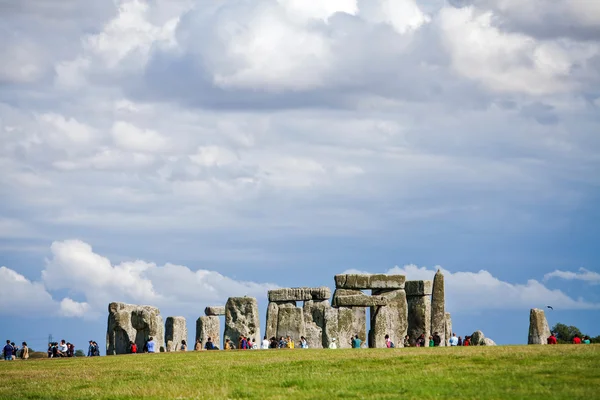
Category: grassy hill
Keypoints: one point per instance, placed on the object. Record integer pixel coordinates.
(524, 372)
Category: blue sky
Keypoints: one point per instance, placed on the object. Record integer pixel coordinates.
(179, 152)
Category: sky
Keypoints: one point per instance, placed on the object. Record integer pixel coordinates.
(177, 152)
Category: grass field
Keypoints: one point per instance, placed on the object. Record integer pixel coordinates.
(522, 372)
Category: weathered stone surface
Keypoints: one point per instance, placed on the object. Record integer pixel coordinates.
(538, 327)
(488, 342)
(369, 281)
(391, 319)
(215, 310)
(330, 325)
(314, 323)
(477, 338)
(448, 329)
(351, 321)
(175, 332)
(208, 327)
(419, 316)
(438, 307)
(290, 322)
(129, 322)
(272, 316)
(241, 318)
(356, 298)
(418, 288)
(300, 294)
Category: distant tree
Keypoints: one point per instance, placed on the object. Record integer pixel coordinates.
(79, 353)
(595, 339)
(564, 333)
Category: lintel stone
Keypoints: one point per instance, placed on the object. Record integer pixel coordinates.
(419, 288)
(299, 294)
(369, 281)
(215, 310)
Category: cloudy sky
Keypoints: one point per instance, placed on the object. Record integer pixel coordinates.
(178, 152)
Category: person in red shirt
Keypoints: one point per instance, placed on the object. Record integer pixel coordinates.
(552, 339)
(133, 347)
(576, 340)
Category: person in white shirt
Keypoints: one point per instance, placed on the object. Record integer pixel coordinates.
(333, 344)
(265, 343)
(62, 348)
(453, 340)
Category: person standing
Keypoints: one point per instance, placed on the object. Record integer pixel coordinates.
(198, 345)
(24, 351)
(576, 340)
(183, 346)
(8, 351)
(453, 340)
(333, 344)
(436, 339)
(151, 345)
(356, 342)
(265, 343)
(132, 347)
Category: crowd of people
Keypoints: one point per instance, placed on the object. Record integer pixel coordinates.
(11, 351)
(584, 339)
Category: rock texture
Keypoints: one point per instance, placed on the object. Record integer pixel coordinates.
(241, 318)
(391, 319)
(214, 311)
(351, 321)
(538, 327)
(438, 307)
(448, 328)
(175, 332)
(368, 281)
(299, 294)
(208, 327)
(314, 323)
(477, 338)
(488, 342)
(418, 288)
(128, 322)
(356, 298)
(272, 316)
(290, 322)
(419, 316)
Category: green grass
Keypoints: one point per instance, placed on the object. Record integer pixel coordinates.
(523, 372)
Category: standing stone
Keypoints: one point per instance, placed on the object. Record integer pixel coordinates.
(241, 318)
(438, 308)
(391, 319)
(477, 338)
(208, 327)
(351, 321)
(330, 326)
(314, 323)
(419, 317)
(129, 322)
(448, 328)
(538, 327)
(272, 316)
(175, 332)
(290, 322)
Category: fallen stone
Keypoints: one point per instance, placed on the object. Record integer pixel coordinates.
(438, 308)
(175, 332)
(208, 327)
(214, 310)
(241, 318)
(129, 322)
(488, 342)
(418, 288)
(300, 294)
(538, 327)
(356, 298)
(369, 281)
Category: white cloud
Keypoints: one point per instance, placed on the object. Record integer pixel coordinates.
(71, 308)
(20, 296)
(481, 291)
(129, 137)
(583, 275)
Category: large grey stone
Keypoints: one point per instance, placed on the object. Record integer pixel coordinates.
(241, 318)
(129, 322)
(419, 316)
(477, 338)
(391, 319)
(330, 326)
(356, 298)
(448, 328)
(272, 316)
(487, 342)
(314, 323)
(369, 281)
(290, 322)
(175, 332)
(214, 310)
(208, 327)
(538, 327)
(418, 288)
(300, 294)
(351, 321)
(438, 307)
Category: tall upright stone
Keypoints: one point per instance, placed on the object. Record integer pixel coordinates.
(448, 329)
(241, 318)
(351, 321)
(538, 327)
(290, 322)
(208, 326)
(391, 319)
(175, 332)
(314, 322)
(129, 322)
(438, 307)
(272, 318)
(418, 299)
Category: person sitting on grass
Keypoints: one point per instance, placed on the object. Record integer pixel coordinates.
(303, 343)
(282, 343)
(406, 341)
(209, 345)
(586, 340)
(576, 340)
(183, 346)
(273, 343)
(551, 339)
(421, 342)
(198, 345)
(62, 349)
(388, 342)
